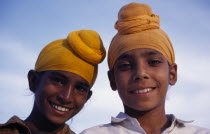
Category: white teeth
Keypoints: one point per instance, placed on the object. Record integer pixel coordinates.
(59, 108)
(143, 90)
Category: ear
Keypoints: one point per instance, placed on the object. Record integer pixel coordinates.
(32, 80)
(172, 74)
(112, 80)
(89, 95)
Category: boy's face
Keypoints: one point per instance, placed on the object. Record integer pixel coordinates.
(141, 77)
(60, 95)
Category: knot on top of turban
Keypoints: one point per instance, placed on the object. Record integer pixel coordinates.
(88, 45)
(80, 54)
(135, 18)
(138, 28)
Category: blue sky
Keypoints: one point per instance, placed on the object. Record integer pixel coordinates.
(26, 26)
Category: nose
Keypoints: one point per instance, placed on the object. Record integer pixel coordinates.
(66, 94)
(141, 72)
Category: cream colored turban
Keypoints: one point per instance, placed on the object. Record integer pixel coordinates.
(80, 53)
(138, 27)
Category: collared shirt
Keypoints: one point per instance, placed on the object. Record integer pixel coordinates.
(16, 126)
(124, 124)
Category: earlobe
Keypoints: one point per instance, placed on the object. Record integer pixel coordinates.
(32, 80)
(112, 80)
(173, 74)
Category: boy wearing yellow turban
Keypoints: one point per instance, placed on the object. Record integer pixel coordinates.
(142, 64)
(64, 73)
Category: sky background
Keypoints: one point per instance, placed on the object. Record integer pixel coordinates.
(26, 26)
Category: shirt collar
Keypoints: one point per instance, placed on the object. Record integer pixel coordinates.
(122, 116)
(17, 123)
(119, 118)
(15, 119)
(127, 121)
(175, 122)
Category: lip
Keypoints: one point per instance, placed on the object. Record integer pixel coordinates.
(59, 109)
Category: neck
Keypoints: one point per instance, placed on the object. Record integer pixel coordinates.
(152, 121)
(38, 123)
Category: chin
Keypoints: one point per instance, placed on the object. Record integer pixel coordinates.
(143, 109)
(57, 120)
(140, 107)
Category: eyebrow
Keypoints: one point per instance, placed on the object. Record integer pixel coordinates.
(64, 77)
(59, 74)
(125, 56)
(84, 84)
(150, 53)
(153, 53)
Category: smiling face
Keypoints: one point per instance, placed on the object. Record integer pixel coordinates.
(59, 95)
(141, 77)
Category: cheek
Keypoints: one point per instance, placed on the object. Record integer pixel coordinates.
(122, 83)
(163, 81)
(80, 100)
(39, 93)
(44, 92)
(121, 80)
(40, 99)
(122, 94)
(162, 75)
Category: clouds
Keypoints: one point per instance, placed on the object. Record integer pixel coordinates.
(189, 98)
(189, 107)
(15, 96)
(18, 53)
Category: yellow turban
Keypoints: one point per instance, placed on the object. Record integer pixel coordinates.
(80, 53)
(138, 27)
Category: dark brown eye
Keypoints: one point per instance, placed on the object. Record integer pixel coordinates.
(154, 62)
(124, 66)
(82, 89)
(58, 81)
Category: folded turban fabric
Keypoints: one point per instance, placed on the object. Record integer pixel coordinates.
(80, 53)
(138, 27)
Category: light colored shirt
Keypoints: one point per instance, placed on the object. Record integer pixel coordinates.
(124, 124)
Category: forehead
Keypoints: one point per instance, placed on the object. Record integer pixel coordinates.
(144, 52)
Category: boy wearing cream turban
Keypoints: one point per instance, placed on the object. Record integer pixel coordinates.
(64, 73)
(142, 64)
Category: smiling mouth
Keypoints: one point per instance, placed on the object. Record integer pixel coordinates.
(60, 108)
(142, 90)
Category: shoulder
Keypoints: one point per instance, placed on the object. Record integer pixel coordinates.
(180, 126)
(15, 126)
(191, 129)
